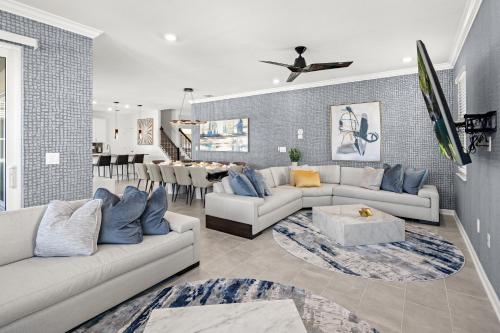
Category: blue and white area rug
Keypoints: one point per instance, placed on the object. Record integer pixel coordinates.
(423, 256)
(318, 313)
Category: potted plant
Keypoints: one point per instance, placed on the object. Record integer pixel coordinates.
(294, 154)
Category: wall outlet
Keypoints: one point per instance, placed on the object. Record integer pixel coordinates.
(478, 226)
(488, 240)
(282, 149)
(51, 158)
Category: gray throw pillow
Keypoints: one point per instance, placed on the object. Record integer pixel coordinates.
(152, 220)
(372, 178)
(393, 178)
(257, 181)
(241, 185)
(66, 230)
(121, 222)
(414, 180)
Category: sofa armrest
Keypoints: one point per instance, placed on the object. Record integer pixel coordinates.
(431, 192)
(183, 223)
(233, 207)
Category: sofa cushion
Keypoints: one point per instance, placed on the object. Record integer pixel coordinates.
(384, 196)
(121, 222)
(393, 178)
(329, 174)
(241, 185)
(280, 196)
(59, 278)
(268, 177)
(281, 175)
(68, 229)
(152, 220)
(372, 178)
(321, 191)
(351, 176)
(414, 180)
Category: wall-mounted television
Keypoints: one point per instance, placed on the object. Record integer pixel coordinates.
(439, 111)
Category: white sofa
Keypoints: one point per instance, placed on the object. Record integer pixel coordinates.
(59, 293)
(248, 216)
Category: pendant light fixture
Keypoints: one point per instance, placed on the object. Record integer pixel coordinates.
(116, 120)
(186, 122)
(139, 130)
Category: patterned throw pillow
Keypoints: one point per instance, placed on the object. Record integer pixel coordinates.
(257, 181)
(152, 220)
(121, 222)
(241, 185)
(69, 231)
(372, 178)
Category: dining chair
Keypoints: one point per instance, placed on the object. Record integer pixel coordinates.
(138, 158)
(199, 177)
(168, 175)
(154, 175)
(121, 160)
(142, 172)
(182, 178)
(103, 161)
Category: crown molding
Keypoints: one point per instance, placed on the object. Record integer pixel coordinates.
(348, 79)
(467, 20)
(42, 16)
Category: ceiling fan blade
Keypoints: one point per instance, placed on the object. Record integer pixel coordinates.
(276, 63)
(293, 76)
(326, 65)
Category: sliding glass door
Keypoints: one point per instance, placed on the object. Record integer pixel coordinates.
(3, 85)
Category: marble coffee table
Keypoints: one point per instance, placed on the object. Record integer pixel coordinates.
(280, 316)
(343, 225)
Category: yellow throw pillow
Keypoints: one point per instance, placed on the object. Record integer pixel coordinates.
(307, 179)
(292, 173)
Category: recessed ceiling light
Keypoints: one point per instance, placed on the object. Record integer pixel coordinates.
(127, 106)
(407, 60)
(276, 81)
(110, 109)
(94, 102)
(170, 37)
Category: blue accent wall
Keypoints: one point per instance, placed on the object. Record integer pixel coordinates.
(407, 133)
(57, 114)
(479, 196)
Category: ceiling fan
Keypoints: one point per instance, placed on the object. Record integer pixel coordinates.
(299, 66)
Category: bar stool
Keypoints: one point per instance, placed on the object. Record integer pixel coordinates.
(182, 179)
(103, 161)
(168, 175)
(121, 160)
(142, 172)
(199, 178)
(154, 175)
(138, 158)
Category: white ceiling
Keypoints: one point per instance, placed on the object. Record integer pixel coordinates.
(220, 41)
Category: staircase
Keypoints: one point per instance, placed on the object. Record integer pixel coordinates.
(176, 153)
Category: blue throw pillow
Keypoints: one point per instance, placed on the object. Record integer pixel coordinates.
(414, 180)
(393, 178)
(120, 223)
(257, 181)
(241, 185)
(152, 220)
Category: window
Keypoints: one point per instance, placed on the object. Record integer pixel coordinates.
(462, 110)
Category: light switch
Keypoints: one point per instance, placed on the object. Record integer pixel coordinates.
(282, 149)
(300, 134)
(51, 158)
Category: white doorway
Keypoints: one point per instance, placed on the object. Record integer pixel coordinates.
(11, 185)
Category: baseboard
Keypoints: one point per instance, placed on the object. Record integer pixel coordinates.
(488, 287)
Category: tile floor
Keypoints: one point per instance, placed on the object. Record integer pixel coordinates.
(457, 304)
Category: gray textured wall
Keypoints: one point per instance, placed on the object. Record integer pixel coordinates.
(479, 196)
(407, 135)
(57, 111)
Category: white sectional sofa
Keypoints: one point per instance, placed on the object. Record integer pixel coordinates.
(56, 294)
(248, 216)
